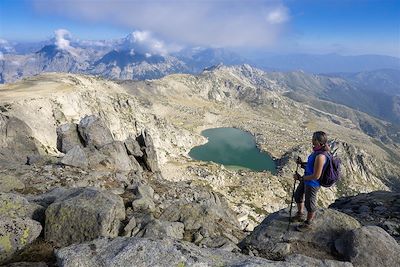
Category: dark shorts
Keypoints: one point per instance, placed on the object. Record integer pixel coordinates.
(308, 195)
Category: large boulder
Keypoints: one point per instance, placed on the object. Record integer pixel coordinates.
(16, 140)
(86, 214)
(17, 227)
(369, 246)
(206, 219)
(15, 234)
(67, 137)
(16, 206)
(76, 157)
(94, 132)
(272, 240)
(127, 252)
(116, 156)
(381, 208)
(10, 183)
(149, 151)
(144, 201)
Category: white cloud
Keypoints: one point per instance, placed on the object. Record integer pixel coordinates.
(278, 15)
(62, 39)
(1, 56)
(143, 42)
(195, 22)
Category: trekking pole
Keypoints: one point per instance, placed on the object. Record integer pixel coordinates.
(291, 203)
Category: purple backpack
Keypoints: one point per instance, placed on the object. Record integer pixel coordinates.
(331, 172)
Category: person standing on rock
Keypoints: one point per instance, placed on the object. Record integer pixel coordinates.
(307, 190)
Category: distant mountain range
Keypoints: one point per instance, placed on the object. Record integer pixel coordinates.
(121, 59)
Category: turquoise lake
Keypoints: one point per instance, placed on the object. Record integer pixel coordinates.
(234, 148)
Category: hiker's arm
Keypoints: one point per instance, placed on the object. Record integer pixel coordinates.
(318, 166)
(301, 162)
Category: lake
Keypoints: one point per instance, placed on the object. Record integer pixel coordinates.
(234, 148)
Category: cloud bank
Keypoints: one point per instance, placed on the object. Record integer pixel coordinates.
(209, 23)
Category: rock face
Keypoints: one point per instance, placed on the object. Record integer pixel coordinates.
(94, 132)
(381, 208)
(126, 252)
(86, 214)
(150, 157)
(272, 240)
(117, 157)
(161, 229)
(369, 246)
(16, 140)
(67, 137)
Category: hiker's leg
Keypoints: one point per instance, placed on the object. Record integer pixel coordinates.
(311, 201)
(299, 197)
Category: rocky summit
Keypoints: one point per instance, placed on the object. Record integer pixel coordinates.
(97, 173)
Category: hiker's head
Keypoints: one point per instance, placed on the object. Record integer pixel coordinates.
(320, 140)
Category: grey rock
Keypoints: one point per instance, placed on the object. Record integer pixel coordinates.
(145, 198)
(363, 209)
(129, 227)
(10, 183)
(86, 214)
(369, 246)
(16, 140)
(16, 206)
(117, 156)
(34, 160)
(67, 137)
(149, 155)
(49, 197)
(94, 132)
(162, 229)
(272, 240)
(126, 252)
(15, 234)
(75, 157)
(304, 261)
(133, 147)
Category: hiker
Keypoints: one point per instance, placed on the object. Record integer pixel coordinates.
(306, 192)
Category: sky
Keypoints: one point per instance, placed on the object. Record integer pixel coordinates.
(347, 27)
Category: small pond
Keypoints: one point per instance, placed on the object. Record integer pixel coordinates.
(234, 148)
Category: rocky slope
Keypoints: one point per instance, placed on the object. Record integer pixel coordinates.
(126, 144)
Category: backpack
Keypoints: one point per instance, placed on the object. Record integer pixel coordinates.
(331, 172)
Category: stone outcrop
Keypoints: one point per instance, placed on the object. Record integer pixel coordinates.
(126, 252)
(272, 240)
(369, 246)
(381, 208)
(68, 137)
(94, 132)
(101, 151)
(16, 141)
(149, 152)
(86, 214)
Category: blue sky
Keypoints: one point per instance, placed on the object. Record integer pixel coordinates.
(309, 26)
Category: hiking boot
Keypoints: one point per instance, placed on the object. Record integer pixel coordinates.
(299, 217)
(304, 227)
